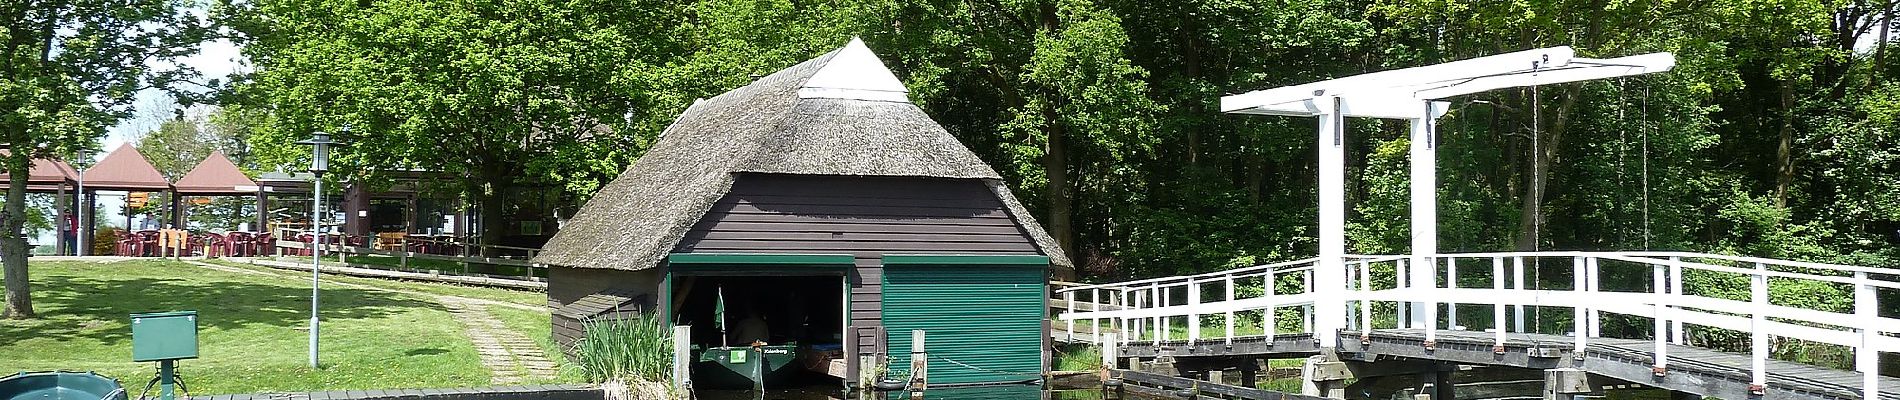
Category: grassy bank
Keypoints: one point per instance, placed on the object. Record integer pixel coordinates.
(251, 328)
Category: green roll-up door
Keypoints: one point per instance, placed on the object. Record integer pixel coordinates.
(983, 321)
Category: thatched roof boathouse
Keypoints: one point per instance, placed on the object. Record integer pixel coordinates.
(819, 199)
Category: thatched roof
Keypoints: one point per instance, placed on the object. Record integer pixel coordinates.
(842, 113)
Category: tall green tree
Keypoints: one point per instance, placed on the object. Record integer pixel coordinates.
(505, 94)
(72, 67)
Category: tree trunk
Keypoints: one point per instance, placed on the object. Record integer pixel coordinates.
(1531, 222)
(1055, 157)
(13, 245)
(1880, 49)
(1784, 152)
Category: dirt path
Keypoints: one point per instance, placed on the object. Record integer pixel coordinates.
(510, 357)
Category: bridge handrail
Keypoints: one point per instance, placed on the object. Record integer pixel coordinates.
(1681, 254)
(1644, 258)
(1152, 309)
(1295, 265)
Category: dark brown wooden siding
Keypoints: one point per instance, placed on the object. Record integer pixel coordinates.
(567, 285)
(866, 217)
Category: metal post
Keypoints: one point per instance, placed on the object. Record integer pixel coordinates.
(1758, 329)
(316, 260)
(85, 224)
(1866, 310)
(167, 378)
(1327, 298)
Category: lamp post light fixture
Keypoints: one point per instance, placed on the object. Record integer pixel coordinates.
(319, 163)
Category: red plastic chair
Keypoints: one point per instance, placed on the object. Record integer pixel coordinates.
(210, 245)
(263, 243)
(123, 243)
(237, 244)
(145, 243)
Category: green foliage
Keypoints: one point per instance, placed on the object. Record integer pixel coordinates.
(633, 349)
(70, 70)
(1078, 358)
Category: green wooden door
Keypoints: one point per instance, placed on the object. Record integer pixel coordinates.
(982, 316)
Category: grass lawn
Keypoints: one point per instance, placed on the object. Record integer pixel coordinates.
(522, 297)
(251, 328)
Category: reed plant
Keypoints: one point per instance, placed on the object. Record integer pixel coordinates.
(629, 350)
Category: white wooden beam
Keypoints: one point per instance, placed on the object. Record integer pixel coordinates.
(1506, 63)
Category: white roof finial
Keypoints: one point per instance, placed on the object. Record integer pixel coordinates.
(854, 74)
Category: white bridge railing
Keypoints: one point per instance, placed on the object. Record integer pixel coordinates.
(1732, 293)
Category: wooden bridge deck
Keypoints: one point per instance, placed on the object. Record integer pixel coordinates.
(1691, 370)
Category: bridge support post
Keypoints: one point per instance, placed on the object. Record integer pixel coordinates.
(1566, 383)
(1329, 276)
(1324, 376)
(1424, 191)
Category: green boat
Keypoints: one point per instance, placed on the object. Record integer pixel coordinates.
(744, 367)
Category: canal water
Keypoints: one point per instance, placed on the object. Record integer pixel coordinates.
(1010, 392)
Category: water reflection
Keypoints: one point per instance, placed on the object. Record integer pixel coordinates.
(1010, 392)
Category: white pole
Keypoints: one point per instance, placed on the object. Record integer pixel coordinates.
(1866, 309)
(1424, 154)
(316, 260)
(1451, 282)
(1068, 306)
(1194, 303)
(1328, 305)
(1758, 328)
(1497, 305)
(1676, 332)
(1658, 275)
(1596, 316)
(1579, 323)
(1267, 317)
(1365, 306)
(1517, 281)
(1229, 285)
(1403, 319)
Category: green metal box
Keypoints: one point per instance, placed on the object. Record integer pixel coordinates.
(164, 336)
